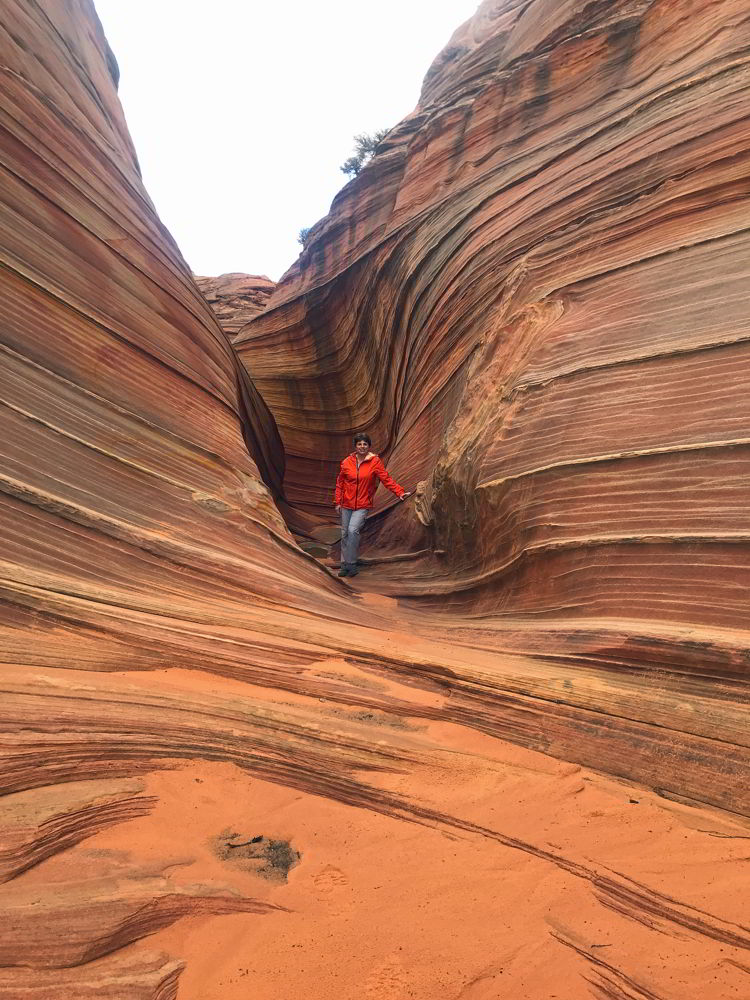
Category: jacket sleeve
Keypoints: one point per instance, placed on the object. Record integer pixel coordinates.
(382, 473)
(339, 486)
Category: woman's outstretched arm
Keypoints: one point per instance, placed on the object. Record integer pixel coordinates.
(385, 478)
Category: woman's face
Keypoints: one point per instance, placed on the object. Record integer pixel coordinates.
(362, 448)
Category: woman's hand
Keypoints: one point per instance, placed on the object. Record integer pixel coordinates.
(338, 508)
(404, 496)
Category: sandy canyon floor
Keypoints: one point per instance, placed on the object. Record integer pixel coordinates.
(478, 870)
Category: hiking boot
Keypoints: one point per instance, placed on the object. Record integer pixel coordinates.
(352, 570)
(344, 571)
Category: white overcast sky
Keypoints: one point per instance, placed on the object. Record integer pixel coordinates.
(242, 112)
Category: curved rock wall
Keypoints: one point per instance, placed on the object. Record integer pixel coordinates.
(534, 298)
(115, 377)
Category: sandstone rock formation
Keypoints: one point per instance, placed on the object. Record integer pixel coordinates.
(534, 298)
(177, 672)
(236, 298)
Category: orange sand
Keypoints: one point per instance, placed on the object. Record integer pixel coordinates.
(382, 907)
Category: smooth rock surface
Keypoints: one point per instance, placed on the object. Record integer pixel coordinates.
(534, 298)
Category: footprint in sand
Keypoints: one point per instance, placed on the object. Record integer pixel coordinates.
(328, 885)
(386, 982)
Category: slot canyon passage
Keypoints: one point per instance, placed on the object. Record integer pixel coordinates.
(510, 759)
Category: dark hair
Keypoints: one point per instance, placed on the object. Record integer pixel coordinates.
(362, 437)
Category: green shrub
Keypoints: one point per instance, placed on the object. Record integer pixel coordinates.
(364, 147)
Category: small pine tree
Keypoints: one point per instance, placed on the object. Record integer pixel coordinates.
(303, 235)
(352, 166)
(364, 148)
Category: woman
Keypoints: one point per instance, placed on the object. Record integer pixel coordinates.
(355, 488)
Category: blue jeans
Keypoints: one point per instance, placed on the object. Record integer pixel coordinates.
(351, 525)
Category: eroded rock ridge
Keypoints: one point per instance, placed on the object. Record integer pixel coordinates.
(236, 298)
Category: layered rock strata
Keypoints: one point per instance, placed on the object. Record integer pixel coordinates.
(534, 299)
(175, 672)
(236, 298)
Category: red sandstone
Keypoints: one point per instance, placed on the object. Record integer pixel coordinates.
(528, 776)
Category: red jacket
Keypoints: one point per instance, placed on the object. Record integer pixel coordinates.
(355, 487)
